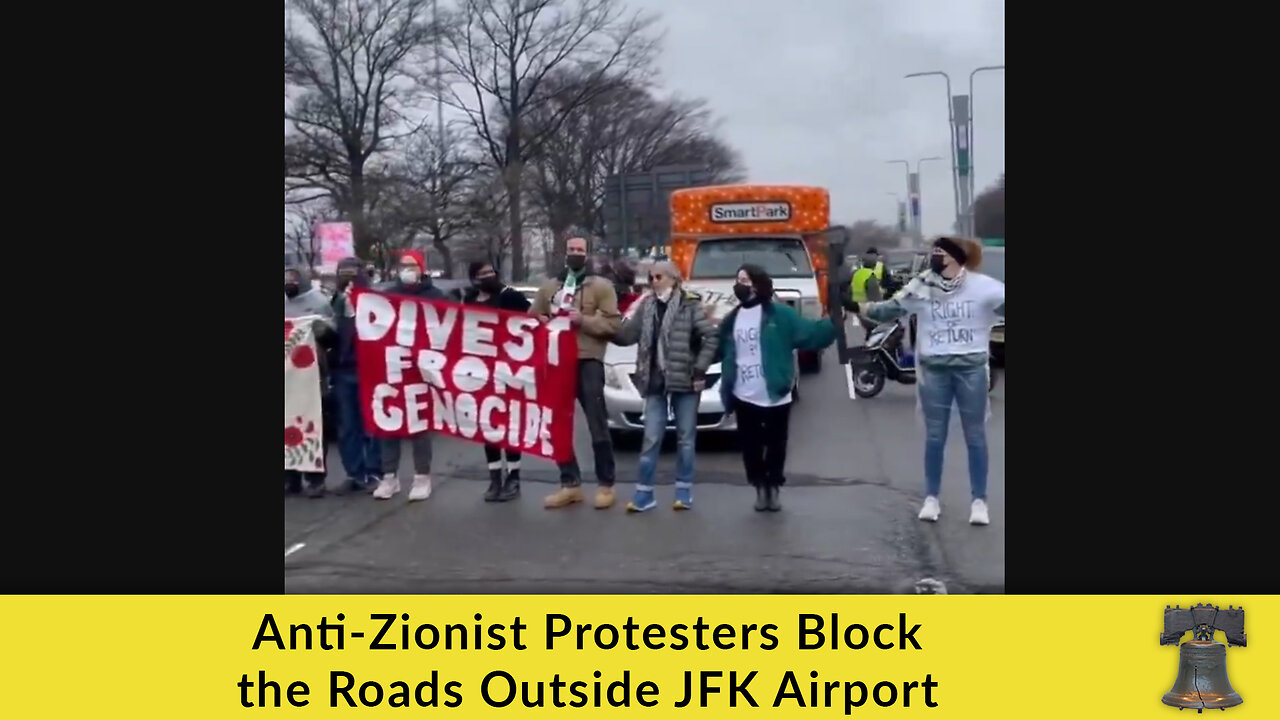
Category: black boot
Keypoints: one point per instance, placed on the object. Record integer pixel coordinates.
(775, 504)
(511, 487)
(762, 498)
(495, 486)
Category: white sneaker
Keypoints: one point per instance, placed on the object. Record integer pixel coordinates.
(387, 487)
(978, 513)
(930, 510)
(421, 489)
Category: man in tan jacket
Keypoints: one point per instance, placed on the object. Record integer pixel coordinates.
(591, 304)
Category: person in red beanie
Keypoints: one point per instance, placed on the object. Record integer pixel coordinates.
(411, 279)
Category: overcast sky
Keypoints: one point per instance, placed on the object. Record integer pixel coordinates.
(812, 91)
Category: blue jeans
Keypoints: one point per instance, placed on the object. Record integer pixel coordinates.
(967, 388)
(684, 406)
(361, 454)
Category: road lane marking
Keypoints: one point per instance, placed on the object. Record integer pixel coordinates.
(294, 548)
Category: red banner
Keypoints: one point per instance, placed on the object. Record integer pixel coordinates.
(469, 371)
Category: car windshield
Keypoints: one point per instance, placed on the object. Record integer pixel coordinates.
(780, 257)
(993, 265)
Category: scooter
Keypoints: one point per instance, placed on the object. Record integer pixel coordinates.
(884, 357)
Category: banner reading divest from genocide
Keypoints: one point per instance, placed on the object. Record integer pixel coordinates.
(474, 372)
(303, 414)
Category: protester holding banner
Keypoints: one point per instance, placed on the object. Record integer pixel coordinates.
(676, 342)
(361, 452)
(758, 340)
(591, 305)
(301, 299)
(955, 307)
(624, 284)
(488, 289)
(411, 279)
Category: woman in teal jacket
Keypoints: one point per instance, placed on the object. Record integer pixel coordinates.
(758, 342)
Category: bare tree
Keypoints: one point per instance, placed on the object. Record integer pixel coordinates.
(625, 129)
(299, 231)
(427, 195)
(504, 51)
(865, 234)
(350, 69)
(486, 238)
(988, 211)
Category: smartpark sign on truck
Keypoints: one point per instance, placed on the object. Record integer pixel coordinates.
(750, 212)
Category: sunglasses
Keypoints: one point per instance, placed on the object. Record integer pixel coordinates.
(654, 278)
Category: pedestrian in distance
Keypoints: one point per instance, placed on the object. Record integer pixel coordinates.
(864, 286)
(411, 279)
(591, 305)
(955, 307)
(361, 452)
(675, 343)
(303, 299)
(489, 290)
(758, 342)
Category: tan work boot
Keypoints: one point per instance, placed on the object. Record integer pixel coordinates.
(604, 498)
(563, 497)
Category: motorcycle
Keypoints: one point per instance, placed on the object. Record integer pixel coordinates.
(883, 357)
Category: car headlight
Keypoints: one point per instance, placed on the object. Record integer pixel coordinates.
(614, 375)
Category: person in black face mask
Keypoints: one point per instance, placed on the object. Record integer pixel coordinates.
(590, 303)
(759, 339)
(488, 289)
(361, 452)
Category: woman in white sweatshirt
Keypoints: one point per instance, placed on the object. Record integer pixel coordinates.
(955, 309)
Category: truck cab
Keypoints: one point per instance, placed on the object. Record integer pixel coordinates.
(781, 228)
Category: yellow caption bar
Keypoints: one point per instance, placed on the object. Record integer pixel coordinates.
(644, 656)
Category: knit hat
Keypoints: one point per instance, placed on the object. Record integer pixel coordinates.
(417, 257)
(966, 251)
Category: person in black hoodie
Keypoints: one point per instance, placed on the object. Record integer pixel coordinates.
(361, 452)
(488, 289)
(411, 279)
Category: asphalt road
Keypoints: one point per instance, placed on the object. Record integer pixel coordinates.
(848, 523)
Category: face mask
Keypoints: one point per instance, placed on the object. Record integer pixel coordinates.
(291, 289)
(742, 292)
(408, 276)
(575, 262)
(490, 284)
(936, 263)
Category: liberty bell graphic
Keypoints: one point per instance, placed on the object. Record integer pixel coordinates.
(1202, 663)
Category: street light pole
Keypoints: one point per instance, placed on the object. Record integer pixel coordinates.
(972, 175)
(906, 170)
(951, 121)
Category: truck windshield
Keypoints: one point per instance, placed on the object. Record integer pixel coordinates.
(780, 257)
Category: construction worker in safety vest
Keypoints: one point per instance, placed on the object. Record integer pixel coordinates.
(864, 286)
(877, 265)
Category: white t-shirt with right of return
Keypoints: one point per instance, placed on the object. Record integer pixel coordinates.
(749, 385)
(960, 322)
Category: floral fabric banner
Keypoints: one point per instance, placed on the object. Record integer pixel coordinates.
(303, 412)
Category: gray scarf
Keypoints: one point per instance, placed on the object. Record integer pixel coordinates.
(668, 319)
